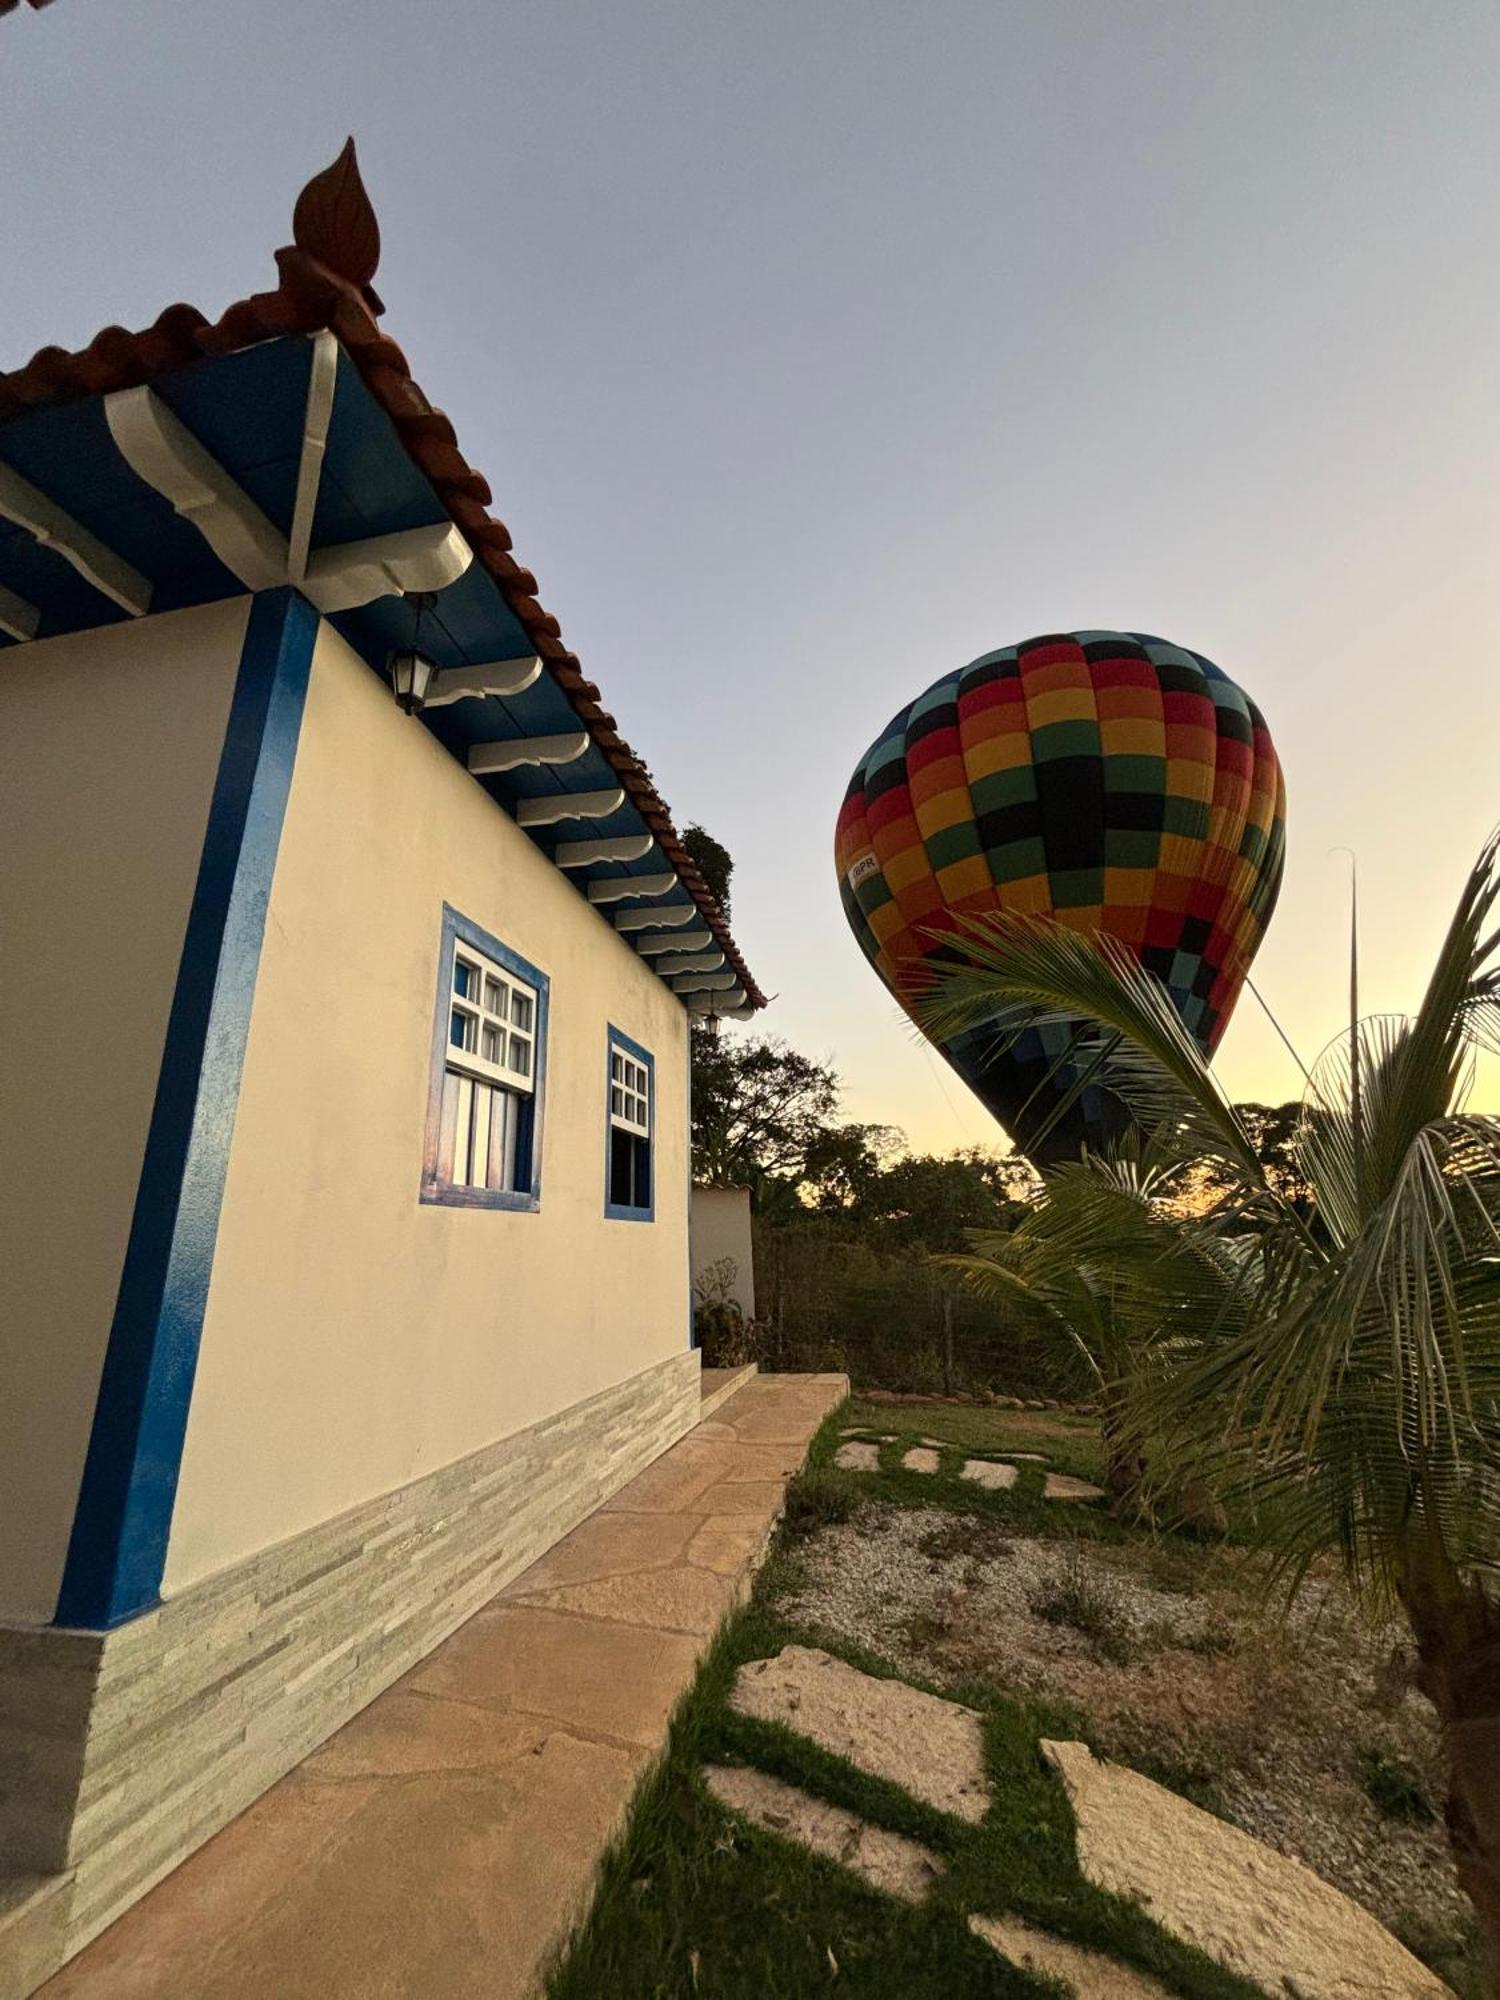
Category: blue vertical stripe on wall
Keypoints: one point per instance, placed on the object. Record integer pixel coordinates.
(118, 1547)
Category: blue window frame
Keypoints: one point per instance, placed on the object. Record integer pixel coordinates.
(482, 1147)
(629, 1130)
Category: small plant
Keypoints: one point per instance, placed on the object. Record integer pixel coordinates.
(928, 1628)
(1079, 1598)
(821, 1497)
(726, 1337)
(1214, 1639)
(1394, 1787)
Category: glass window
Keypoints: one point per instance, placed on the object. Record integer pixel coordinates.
(486, 1114)
(628, 1163)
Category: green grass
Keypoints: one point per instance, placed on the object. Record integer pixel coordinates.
(695, 1905)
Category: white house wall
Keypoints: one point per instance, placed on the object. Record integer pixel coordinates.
(355, 1339)
(109, 746)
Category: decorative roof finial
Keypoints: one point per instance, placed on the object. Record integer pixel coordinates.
(335, 224)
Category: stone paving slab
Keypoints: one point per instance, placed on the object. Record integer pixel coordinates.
(1259, 1913)
(1088, 1975)
(921, 1458)
(855, 1456)
(442, 1843)
(887, 1861)
(986, 1472)
(932, 1748)
(1063, 1486)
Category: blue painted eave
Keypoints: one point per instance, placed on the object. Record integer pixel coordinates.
(247, 409)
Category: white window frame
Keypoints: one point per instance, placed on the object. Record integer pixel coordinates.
(482, 1147)
(493, 1013)
(630, 1109)
(629, 1093)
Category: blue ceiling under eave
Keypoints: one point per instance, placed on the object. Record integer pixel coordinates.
(247, 410)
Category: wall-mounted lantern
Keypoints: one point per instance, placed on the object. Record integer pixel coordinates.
(409, 667)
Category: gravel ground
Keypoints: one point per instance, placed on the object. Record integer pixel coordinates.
(1183, 1670)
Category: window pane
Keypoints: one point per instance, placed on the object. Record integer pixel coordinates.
(447, 1128)
(521, 1005)
(464, 1133)
(491, 1045)
(504, 1123)
(479, 1172)
(461, 976)
(494, 997)
(520, 1056)
(457, 1028)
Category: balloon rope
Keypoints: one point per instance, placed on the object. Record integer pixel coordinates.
(959, 1119)
(1286, 1040)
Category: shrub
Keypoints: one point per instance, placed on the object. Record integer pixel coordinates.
(1394, 1787)
(894, 1320)
(1080, 1598)
(821, 1497)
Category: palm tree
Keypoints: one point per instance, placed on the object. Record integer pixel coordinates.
(1331, 1368)
(1066, 1268)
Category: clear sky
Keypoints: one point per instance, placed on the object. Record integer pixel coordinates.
(813, 347)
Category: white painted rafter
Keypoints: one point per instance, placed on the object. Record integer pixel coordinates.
(704, 982)
(18, 619)
(354, 573)
(731, 1003)
(502, 678)
(569, 805)
(160, 449)
(619, 847)
(700, 961)
(647, 920)
(322, 377)
(518, 752)
(52, 528)
(673, 941)
(620, 888)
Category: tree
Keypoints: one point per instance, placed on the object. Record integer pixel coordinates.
(714, 862)
(766, 1118)
(935, 1203)
(1273, 1131)
(1336, 1372)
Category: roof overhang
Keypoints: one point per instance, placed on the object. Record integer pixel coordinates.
(288, 443)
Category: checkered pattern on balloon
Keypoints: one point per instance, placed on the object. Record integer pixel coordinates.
(1111, 781)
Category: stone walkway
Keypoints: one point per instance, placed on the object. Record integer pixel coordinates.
(1261, 1915)
(859, 1452)
(441, 1842)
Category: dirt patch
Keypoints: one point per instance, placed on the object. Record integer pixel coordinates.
(1182, 1670)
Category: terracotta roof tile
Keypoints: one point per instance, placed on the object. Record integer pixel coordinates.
(330, 289)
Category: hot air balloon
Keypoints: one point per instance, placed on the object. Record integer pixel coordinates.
(1110, 780)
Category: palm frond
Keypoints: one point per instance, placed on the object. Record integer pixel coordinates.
(1008, 972)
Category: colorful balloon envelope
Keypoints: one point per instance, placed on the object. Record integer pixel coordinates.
(1108, 780)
